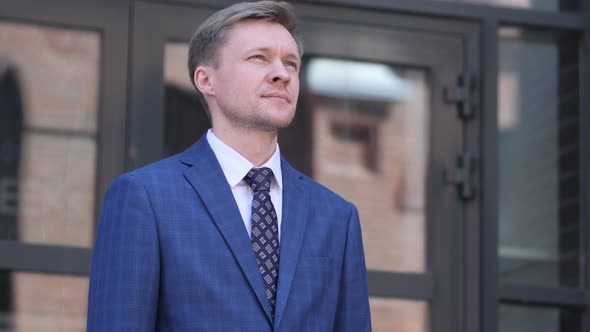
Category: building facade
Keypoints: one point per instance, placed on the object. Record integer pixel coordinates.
(459, 128)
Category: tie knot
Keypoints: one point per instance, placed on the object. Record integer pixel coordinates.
(259, 179)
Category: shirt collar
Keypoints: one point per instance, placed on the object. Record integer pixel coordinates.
(235, 166)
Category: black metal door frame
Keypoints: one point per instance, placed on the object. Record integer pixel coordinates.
(480, 224)
(445, 48)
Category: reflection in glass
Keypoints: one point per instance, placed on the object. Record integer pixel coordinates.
(43, 302)
(546, 5)
(517, 318)
(368, 124)
(539, 172)
(399, 315)
(49, 90)
(185, 121)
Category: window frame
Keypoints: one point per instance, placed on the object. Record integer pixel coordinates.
(110, 20)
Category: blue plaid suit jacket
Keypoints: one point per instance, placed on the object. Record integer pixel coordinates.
(172, 254)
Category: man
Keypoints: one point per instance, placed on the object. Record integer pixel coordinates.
(226, 236)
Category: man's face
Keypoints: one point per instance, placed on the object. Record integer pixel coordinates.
(256, 83)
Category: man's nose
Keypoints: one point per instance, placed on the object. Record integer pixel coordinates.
(279, 73)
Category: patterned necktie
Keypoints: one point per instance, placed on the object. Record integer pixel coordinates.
(265, 231)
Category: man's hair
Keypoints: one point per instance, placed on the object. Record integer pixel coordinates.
(211, 34)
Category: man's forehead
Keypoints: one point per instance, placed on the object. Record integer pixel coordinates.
(253, 34)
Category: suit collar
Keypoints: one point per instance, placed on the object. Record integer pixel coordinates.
(208, 180)
(206, 177)
(295, 217)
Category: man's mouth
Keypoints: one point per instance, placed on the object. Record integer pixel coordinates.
(279, 96)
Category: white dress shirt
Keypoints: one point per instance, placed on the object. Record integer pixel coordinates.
(235, 167)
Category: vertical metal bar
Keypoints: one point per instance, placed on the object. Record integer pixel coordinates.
(145, 127)
(489, 178)
(585, 158)
(471, 297)
(113, 100)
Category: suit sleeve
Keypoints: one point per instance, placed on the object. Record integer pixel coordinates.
(124, 278)
(353, 312)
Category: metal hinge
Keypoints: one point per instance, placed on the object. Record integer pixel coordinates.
(462, 95)
(461, 176)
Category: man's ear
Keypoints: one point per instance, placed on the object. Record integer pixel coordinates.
(203, 80)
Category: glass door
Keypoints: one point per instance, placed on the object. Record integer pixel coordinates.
(377, 122)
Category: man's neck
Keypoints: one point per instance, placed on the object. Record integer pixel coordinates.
(256, 146)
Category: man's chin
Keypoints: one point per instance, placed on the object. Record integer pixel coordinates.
(273, 127)
(274, 124)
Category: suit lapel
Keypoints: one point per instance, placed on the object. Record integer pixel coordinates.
(208, 180)
(294, 220)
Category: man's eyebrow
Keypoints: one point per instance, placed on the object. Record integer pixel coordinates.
(259, 49)
(268, 49)
(294, 56)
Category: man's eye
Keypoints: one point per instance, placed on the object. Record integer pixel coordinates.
(292, 64)
(257, 57)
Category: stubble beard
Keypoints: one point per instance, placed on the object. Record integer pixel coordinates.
(258, 122)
